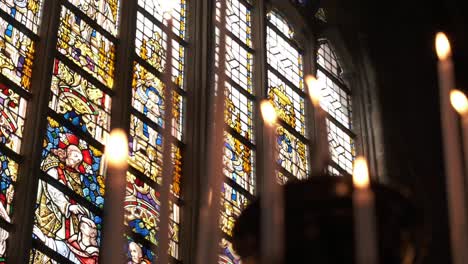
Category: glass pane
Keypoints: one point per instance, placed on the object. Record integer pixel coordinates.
(104, 12)
(142, 207)
(238, 20)
(228, 256)
(12, 117)
(66, 227)
(232, 202)
(86, 47)
(289, 105)
(8, 174)
(336, 101)
(292, 154)
(341, 146)
(179, 22)
(27, 12)
(138, 253)
(326, 58)
(16, 55)
(3, 245)
(284, 58)
(151, 43)
(238, 161)
(73, 162)
(280, 23)
(148, 92)
(239, 112)
(80, 102)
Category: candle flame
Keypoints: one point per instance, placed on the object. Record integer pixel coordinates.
(168, 7)
(268, 112)
(117, 148)
(361, 173)
(442, 46)
(459, 101)
(314, 90)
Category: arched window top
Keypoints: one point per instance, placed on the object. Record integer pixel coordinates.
(280, 22)
(326, 58)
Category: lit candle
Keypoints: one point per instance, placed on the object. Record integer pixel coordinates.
(453, 157)
(272, 203)
(116, 155)
(460, 104)
(165, 197)
(364, 215)
(209, 235)
(321, 149)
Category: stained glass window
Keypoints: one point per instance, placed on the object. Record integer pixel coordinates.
(337, 103)
(137, 252)
(285, 90)
(103, 12)
(147, 125)
(27, 12)
(239, 140)
(12, 110)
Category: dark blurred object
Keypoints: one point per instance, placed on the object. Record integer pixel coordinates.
(319, 224)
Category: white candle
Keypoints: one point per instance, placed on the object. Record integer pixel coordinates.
(364, 215)
(321, 148)
(453, 160)
(168, 165)
(272, 203)
(460, 104)
(209, 235)
(116, 155)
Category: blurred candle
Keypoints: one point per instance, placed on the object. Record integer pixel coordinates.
(460, 104)
(166, 200)
(322, 149)
(453, 157)
(209, 235)
(116, 155)
(272, 203)
(364, 215)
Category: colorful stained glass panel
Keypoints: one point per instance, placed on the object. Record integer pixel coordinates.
(151, 43)
(228, 256)
(289, 105)
(179, 16)
(16, 55)
(27, 12)
(8, 174)
(292, 153)
(12, 117)
(63, 226)
(284, 58)
(73, 162)
(80, 102)
(335, 100)
(103, 12)
(138, 253)
(238, 160)
(233, 203)
(86, 47)
(341, 146)
(239, 112)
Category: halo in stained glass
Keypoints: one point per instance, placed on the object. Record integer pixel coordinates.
(27, 12)
(80, 102)
(12, 118)
(73, 163)
(86, 47)
(104, 12)
(16, 55)
(60, 223)
(8, 174)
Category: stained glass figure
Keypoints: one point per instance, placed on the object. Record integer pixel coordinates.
(238, 161)
(8, 174)
(289, 105)
(27, 12)
(153, 7)
(142, 208)
(12, 117)
(104, 12)
(86, 47)
(73, 163)
(292, 153)
(66, 227)
(16, 55)
(80, 102)
(138, 253)
(150, 45)
(228, 256)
